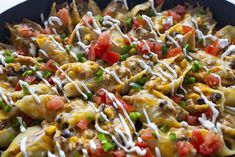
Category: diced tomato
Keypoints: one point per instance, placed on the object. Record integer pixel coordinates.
(143, 49)
(55, 103)
(28, 79)
(211, 80)
(51, 65)
(197, 139)
(180, 9)
(64, 16)
(187, 28)
(159, 2)
(22, 52)
(97, 100)
(142, 144)
(50, 81)
(177, 99)
(119, 153)
(99, 151)
(191, 119)
(146, 134)
(110, 57)
(211, 144)
(184, 148)
(166, 26)
(213, 49)
(91, 53)
(148, 153)
(104, 41)
(176, 17)
(173, 52)
(25, 31)
(82, 124)
(85, 20)
(135, 23)
(102, 97)
(209, 113)
(127, 107)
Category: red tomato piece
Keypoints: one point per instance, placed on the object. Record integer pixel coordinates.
(173, 52)
(142, 144)
(25, 31)
(187, 28)
(176, 17)
(148, 153)
(91, 53)
(110, 57)
(159, 2)
(191, 119)
(166, 26)
(143, 48)
(177, 99)
(209, 113)
(184, 148)
(146, 134)
(119, 153)
(180, 9)
(135, 23)
(55, 103)
(64, 16)
(99, 149)
(97, 100)
(211, 80)
(197, 139)
(51, 65)
(213, 49)
(104, 41)
(82, 124)
(127, 107)
(28, 79)
(212, 144)
(50, 81)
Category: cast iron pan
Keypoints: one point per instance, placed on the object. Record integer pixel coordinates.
(223, 11)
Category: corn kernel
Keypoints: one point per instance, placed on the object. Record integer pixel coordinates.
(51, 129)
(73, 139)
(109, 112)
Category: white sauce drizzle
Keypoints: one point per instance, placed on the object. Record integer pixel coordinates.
(153, 8)
(151, 26)
(58, 83)
(150, 124)
(92, 145)
(85, 47)
(53, 19)
(157, 151)
(57, 44)
(61, 152)
(119, 30)
(98, 111)
(23, 147)
(26, 85)
(228, 51)
(49, 154)
(97, 28)
(230, 108)
(172, 39)
(32, 49)
(4, 97)
(84, 151)
(74, 83)
(110, 21)
(211, 104)
(113, 74)
(180, 37)
(199, 32)
(43, 53)
(20, 120)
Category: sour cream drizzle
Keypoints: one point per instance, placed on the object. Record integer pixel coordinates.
(20, 120)
(113, 74)
(23, 147)
(61, 152)
(56, 43)
(53, 19)
(26, 85)
(228, 51)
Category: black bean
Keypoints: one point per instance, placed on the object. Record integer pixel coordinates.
(37, 78)
(233, 64)
(65, 126)
(162, 103)
(200, 101)
(184, 139)
(11, 72)
(66, 133)
(215, 97)
(22, 70)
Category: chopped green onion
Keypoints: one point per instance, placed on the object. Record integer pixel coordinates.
(187, 48)
(90, 116)
(25, 90)
(11, 137)
(133, 46)
(28, 73)
(139, 17)
(164, 49)
(2, 104)
(99, 75)
(63, 36)
(68, 48)
(36, 67)
(126, 49)
(89, 96)
(7, 108)
(7, 53)
(124, 57)
(182, 104)
(164, 128)
(172, 136)
(76, 154)
(134, 116)
(142, 80)
(152, 13)
(201, 12)
(129, 22)
(9, 59)
(190, 80)
(106, 144)
(196, 66)
(40, 59)
(200, 41)
(100, 18)
(180, 91)
(46, 74)
(81, 57)
(135, 86)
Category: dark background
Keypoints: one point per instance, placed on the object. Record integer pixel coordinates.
(223, 11)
